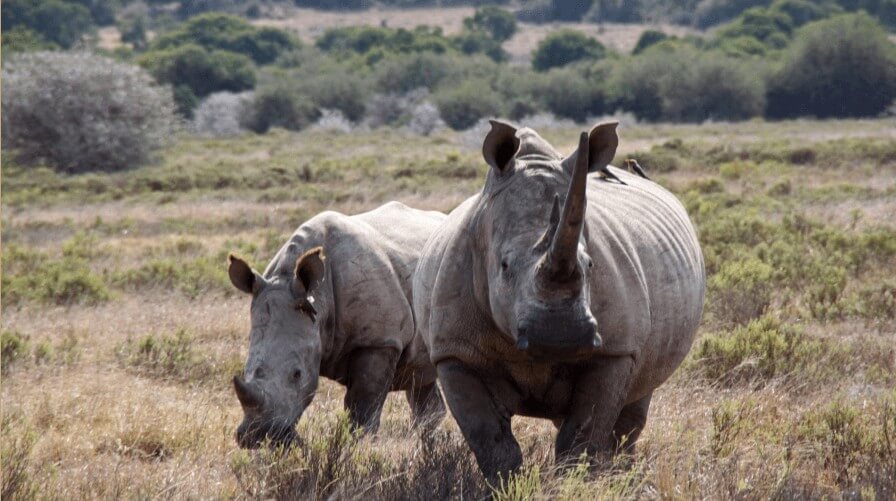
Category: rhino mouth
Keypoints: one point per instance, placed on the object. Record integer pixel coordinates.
(276, 433)
(557, 336)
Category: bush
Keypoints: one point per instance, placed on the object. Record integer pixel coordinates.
(840, 67)
(712, 12)
(13, 348)
(365, 39)
(79, 111)
(764, 349)
(565, 46)
(800, 11)
(202, 72)
(280, 106)
(60, 22)
(682, 84)
(567, 93)
(216, 31)
(771, 27)
(222, 114)
(22, 39)
(740, 291)
(498, 23)
(462, 106)
(335, 89)
(648, 38)
(165, 357)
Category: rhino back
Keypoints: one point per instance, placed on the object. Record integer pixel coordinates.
(648, 281)
(371, 258)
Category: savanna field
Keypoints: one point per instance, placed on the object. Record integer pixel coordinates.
(121, 331)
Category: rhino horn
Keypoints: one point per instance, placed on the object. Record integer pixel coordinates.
(248, 395)
(563, 253)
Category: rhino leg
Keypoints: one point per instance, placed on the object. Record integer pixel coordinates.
(427, 406)
(598, 399)
(482, 408)
(630, 424)
(370, 373)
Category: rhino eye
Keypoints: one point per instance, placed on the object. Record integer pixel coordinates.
(297, 375)
(504, 265)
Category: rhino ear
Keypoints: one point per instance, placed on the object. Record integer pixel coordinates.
(602, 144)
(242, 276)
(309, 271)
(500, 145)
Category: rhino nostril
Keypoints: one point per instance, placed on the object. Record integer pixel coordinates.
(522, 340)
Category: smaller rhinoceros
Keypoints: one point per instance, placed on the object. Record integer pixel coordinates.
(336, 302)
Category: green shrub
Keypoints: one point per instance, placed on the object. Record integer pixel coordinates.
(165, 357)
(479, 42)
(190, 277)
(22, 39)
(216, 31)
(498, 23)
(877, 301)
(279, 106)
(801, 12)
(401, 74)
(13, 348)
(79, 111)
(712, 12)
(740, 291)
(764, 349)
(366, 39)
(647, 39)
(825, 289)
(462, 106)
(31, 276)
(843, 66)
(60, 22)
(337, 90)
(683, 84)
(565, 46)
(771, 27)
(199, 70)
(567, 93)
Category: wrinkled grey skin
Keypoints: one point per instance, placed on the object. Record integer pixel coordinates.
(336, 302)
(558, 292)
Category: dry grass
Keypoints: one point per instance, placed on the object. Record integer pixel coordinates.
(90, 408)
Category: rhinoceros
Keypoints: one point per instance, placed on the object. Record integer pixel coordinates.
(336, 302)
(558, 292)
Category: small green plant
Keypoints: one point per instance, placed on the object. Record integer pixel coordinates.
(13, 348)
(165, 356)
(730, 420)
(740, 291)
(519, 486)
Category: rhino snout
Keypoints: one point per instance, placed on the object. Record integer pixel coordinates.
(252, 433)
(559, 339)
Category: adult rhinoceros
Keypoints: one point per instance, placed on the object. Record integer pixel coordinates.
(558, 294)
(336, 301)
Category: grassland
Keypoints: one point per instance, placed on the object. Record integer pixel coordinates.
(120, 331)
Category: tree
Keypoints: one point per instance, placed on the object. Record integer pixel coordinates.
(59, 22)
(839, 67)
(497, 22)
(648, 38)
(565, 46)
(80, 111)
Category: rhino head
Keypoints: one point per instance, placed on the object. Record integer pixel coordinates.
(536, 265)
(281, 372)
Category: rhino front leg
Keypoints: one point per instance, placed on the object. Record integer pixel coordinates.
(482, 408)
(370, 373)
(598, 399)
(630, 424)
(427, 407)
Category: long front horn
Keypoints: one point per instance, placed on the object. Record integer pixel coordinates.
(563, 254)
(247, 394)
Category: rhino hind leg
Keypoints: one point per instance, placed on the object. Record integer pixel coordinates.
(427, 407)
(370, 374)
(483, 419)
(597, 403)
